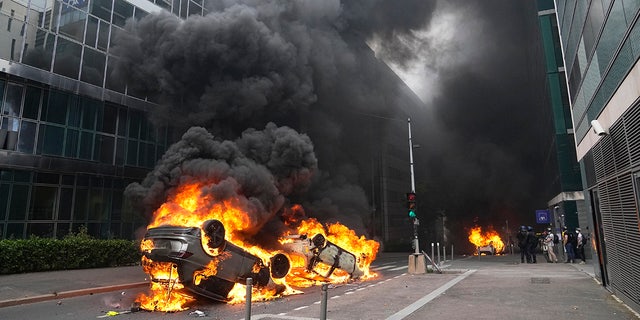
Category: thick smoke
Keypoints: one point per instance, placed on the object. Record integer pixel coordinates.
(261, 169)
(304, 64)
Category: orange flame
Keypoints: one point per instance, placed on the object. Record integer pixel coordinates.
(480, 239)
(189, 207)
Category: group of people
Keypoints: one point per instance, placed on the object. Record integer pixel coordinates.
(572, 242)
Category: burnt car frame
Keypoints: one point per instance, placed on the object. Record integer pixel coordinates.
(194, 250)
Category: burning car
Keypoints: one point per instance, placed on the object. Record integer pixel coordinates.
(209, 265)
(488, 249)
(322, 257)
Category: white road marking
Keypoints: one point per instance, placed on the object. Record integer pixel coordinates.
(400, 268)
(300, 308)
(424, 300)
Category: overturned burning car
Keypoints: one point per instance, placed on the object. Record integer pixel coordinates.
(207, 264)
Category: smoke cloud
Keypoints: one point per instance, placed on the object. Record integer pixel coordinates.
(304, 64)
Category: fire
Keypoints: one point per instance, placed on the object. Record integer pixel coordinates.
(165, 288)
(490, 237)
(189, 207)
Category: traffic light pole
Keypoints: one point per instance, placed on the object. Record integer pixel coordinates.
(416, 222)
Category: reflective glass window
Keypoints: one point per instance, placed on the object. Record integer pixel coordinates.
(4, 200)
(103, 36)
(49, 178)
(50, 138)
(120, 151)
(135, 120)
(101, 9)
(62, 229)
(27, 137)
(40, 52)
(139, 13)
(92, 32)
(107, 123)
(72, 23)
(113, 83)
(132, 153)
(18, 205)
(614, 30)
(67, 62)
(13, 100)
(114, 34)
(32, 103)
(44, 230)
(184, 4)
(22, 176)
(75, 115)
(86, 145)
(64, 207)
(15, 230)
(194, 9)
(80, 205)
(43, 201)
(56, 108)
(103, 150)
(122, 122)
(93, 67)
(89, 108)
(122, 11)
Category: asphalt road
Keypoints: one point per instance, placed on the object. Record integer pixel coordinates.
(486, 287)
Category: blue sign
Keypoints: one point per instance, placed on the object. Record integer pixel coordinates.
(542, 216)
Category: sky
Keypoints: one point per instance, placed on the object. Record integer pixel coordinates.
(246, 71)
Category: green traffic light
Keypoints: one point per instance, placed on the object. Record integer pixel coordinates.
(412, 213)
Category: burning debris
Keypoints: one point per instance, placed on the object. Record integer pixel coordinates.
(223, 219)
(488, 242)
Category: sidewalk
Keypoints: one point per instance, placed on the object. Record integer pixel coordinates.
(24, 288)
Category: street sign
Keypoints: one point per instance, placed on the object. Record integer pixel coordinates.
(542, 216)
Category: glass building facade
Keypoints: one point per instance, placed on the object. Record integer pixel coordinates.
(71, 139)
(568, 198)
(601, 47)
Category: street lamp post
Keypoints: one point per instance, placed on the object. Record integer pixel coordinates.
(416, 222)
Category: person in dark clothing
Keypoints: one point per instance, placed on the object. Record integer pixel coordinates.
(569, 240)
(522, 244)
(532, 244)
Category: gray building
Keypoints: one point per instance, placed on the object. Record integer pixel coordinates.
(601, 46)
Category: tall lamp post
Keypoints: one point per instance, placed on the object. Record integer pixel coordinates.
(416, 222)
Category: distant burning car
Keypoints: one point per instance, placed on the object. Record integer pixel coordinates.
(207, 264)
(488, 249)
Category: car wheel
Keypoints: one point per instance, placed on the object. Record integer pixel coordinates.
(214, 229)
(280, 266)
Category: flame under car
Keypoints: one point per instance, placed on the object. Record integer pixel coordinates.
(209, 265)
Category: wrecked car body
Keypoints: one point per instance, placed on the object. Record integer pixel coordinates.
(209, 265)
(323, 257)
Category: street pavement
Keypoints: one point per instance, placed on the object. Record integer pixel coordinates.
(471, 287)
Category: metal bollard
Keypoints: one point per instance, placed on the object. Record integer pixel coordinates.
(438, 245)
(444, 253)
(323, 302)
(433, 257)
(247, 307)
(451, 252)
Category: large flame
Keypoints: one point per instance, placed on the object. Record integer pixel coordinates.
(189, 207)
(490, 237)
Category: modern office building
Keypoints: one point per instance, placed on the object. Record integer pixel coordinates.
(72, 138)
(601, 46)
(567, 198)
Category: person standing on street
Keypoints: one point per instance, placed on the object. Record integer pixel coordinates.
(581, 241)
(548, 241)
(522, 244)
(532, 244)
(568, 240)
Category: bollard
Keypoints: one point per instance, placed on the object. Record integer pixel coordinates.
(438, 247)
(451, 252)
(323, 303)
(444, 253)
(433, 257)
(247, 308)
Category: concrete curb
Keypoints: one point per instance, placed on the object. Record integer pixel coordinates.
(69, 294)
